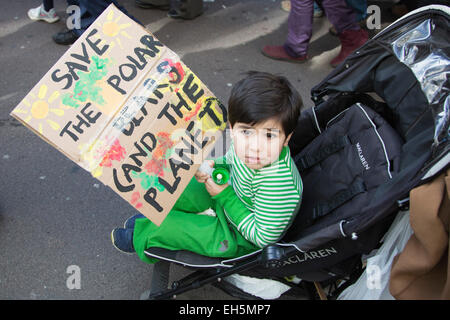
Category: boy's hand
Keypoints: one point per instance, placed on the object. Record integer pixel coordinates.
(202, 176)
(213, 188)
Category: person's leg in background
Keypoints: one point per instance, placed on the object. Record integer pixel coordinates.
(360, 8)
(89, 11)
(300, 22)
(45, 12)
(350, 34)
(69, 36)
(48, 4)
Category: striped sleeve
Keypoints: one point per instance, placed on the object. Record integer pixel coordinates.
(277, 197)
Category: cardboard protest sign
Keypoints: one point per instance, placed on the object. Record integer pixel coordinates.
(124, 107)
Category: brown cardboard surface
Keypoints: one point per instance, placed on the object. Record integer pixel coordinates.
(125, 107)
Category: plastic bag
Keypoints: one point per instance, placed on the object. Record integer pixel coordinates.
(262, 288)
(373, 284)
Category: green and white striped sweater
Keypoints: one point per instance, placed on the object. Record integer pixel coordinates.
(271, 195)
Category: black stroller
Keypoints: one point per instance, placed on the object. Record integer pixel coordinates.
(401, 75)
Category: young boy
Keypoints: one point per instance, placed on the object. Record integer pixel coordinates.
(264, 191)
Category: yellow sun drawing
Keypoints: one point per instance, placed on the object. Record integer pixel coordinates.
(40, 109)
(111, 28)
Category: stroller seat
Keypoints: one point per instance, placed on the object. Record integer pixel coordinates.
(193, 260)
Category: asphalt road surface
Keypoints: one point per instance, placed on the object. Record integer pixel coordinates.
(54, 216)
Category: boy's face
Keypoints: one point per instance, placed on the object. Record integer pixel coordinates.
(260, 144)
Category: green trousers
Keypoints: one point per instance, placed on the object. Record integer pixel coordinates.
(184, 229)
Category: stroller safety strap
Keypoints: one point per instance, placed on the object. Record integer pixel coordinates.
(307, 161)
(339, 199)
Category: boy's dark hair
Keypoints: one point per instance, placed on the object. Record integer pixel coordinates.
(261, 96)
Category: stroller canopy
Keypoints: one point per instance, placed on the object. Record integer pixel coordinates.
(408, 66)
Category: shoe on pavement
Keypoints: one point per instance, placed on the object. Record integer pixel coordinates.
(122, 240)
(350, 41)
(129, 223)
(286, 5)
(39, 13)
(65, 37)
(279, 53)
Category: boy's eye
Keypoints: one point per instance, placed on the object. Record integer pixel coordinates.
(246, 132)
(271, 135)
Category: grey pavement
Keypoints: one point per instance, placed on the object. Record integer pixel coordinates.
(53, 214)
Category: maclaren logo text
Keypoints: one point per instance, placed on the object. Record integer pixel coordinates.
(361, 157)
(310, 255)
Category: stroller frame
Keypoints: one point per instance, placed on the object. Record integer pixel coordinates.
(269, 258)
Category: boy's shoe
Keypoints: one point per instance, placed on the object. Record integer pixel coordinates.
(39, 13)
(65, 37)
(122, 240)
(129, 223)
(279, 53)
